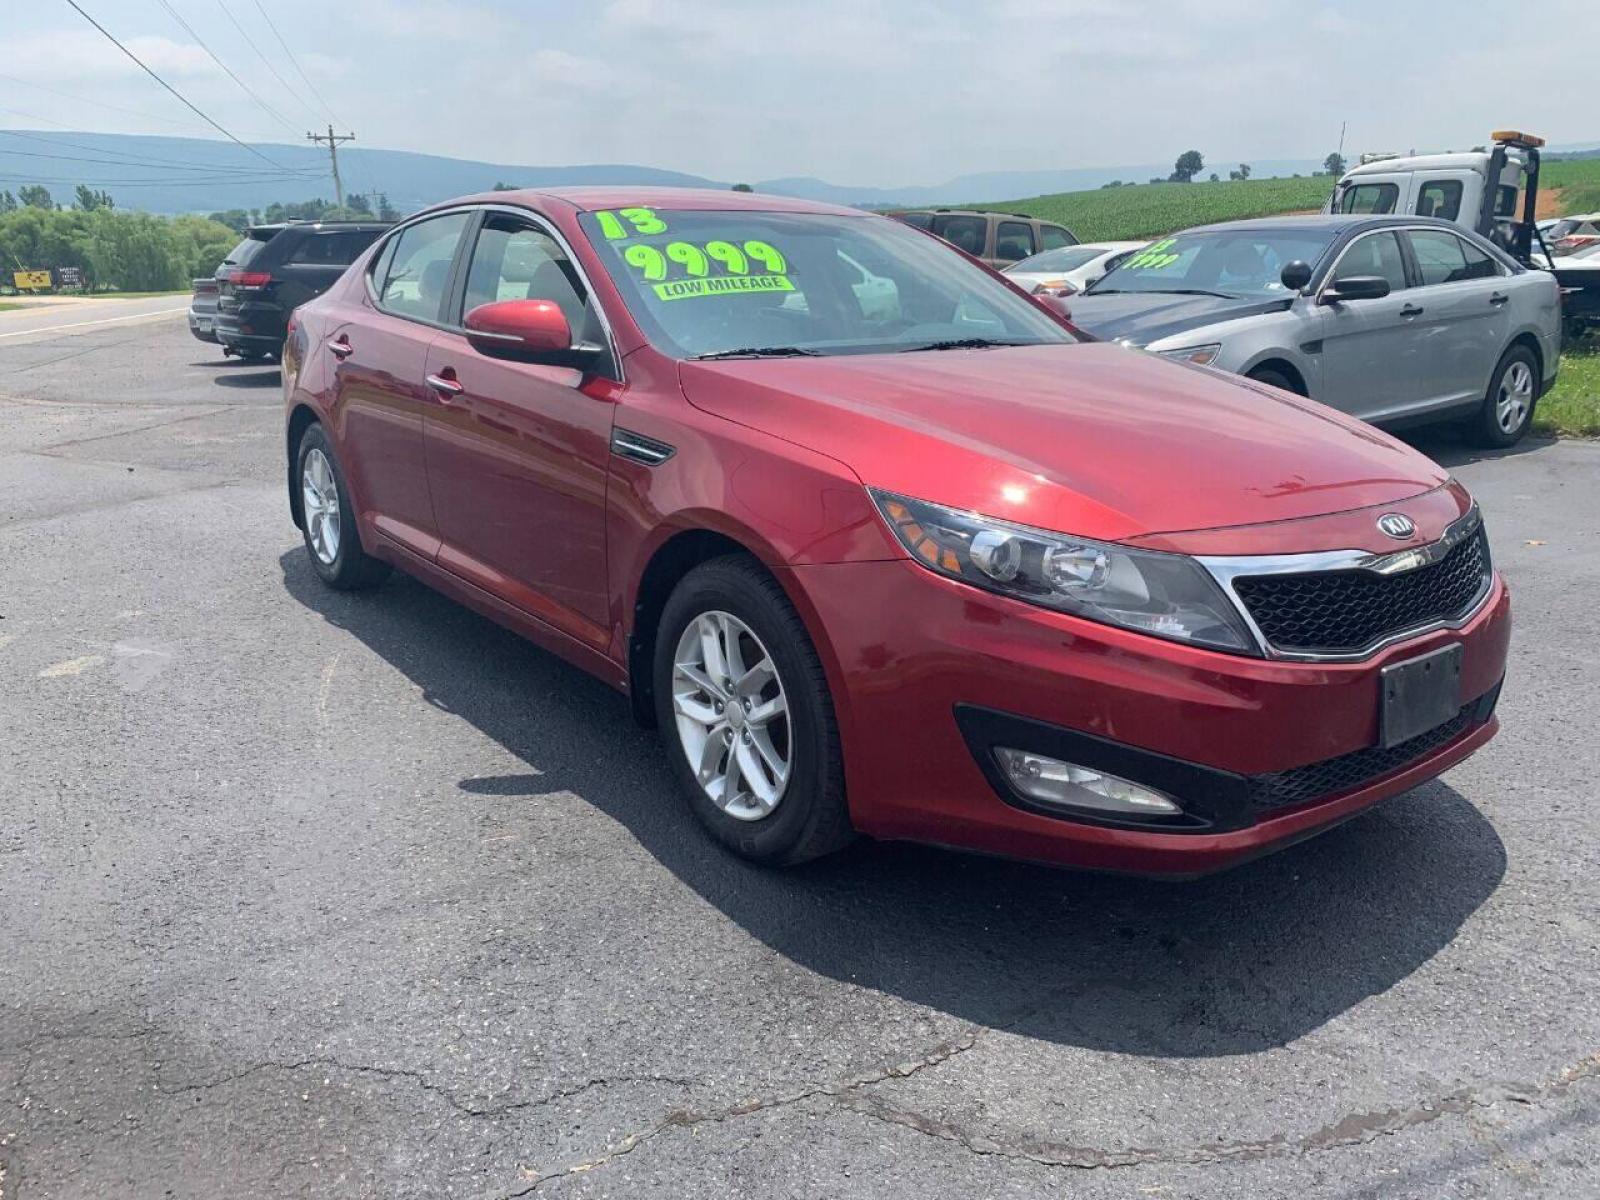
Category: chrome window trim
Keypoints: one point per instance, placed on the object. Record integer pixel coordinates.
(394, 236)
(1225, 569)
(1333, 269)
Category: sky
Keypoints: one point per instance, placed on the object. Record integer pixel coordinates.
(865, 92)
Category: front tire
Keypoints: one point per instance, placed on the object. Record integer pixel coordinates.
(1275, 379)
(1507, 411)
(744, 708)
(327, 521)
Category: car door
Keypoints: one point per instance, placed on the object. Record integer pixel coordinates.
(379, 360)
(1464, 321)
(1369, 366)
(518, 452)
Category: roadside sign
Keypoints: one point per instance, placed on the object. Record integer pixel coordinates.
(31, 281)
(69, 277)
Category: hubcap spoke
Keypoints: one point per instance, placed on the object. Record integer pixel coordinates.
(731, 715)
(319, 496)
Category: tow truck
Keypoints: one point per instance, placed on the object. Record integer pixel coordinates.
(1494, 192)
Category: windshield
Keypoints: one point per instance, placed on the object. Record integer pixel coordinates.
(1068, 258)
(733, 282)
(1233, 263)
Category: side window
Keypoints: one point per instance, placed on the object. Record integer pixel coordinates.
(1440, 256)
(1505, 200)
(1369, 198)
(1053, 237)
(1479, 264)
(1013, 240)
(964, 233)
(1440, 198)
(515, 261)
(417, 270)
(919, 220)
(1375, 254)
(331, 249)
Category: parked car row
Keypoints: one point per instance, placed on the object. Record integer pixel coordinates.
(245, 306)
(884, 544)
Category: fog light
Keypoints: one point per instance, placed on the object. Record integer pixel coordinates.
(1050, 781)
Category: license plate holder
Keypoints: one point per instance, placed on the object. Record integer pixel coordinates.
(1419, 694)
(203, 324)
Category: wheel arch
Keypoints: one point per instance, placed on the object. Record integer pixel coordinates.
(1283, 367)
(1528, 339)
(301, 418)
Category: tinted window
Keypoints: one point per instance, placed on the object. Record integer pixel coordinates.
(966, 233)
(1013, 240)
(513, 261)
(418, 271)
(245, 251)
(1479, 264)
(1440, 198)
(1440, 256)
(1369, 198)
(1052, 237)
(920, 220)
(1376, 254)
(735, 281)
(1505, 200)
(332, 249)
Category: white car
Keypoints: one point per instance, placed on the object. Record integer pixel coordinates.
(1067, 270)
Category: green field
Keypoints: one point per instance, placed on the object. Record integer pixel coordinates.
(1572, 407)
(1147, 209)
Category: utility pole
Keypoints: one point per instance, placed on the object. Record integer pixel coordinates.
(333, 141)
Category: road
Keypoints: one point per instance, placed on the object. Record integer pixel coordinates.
(326, 895)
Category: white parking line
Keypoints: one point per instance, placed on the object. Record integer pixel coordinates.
(160, 312)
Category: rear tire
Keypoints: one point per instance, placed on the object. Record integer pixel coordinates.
(728, 618)
(327, 521)
(1507, 410)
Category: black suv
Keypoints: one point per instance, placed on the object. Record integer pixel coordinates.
(998, 238)
(276, 269)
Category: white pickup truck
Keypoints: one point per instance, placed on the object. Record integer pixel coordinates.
(1494, 192)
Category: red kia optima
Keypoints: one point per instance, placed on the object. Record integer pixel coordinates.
(883, 546)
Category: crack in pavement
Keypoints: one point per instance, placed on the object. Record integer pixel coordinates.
(685, 1118)
(1353, 1129)
(426, 1084)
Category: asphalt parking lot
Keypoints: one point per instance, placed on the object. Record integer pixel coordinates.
(313, 894)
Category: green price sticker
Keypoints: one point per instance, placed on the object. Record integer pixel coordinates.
(1154, 255)
(644, 222)
(722, 285)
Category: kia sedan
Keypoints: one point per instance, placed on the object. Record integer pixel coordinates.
(1397, 320)
(936, 568)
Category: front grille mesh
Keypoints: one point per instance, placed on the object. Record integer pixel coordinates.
(1323, 780)
(1336, 612)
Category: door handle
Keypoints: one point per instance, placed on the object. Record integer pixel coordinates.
(1411, 310)
(447, 387)
(341, 347)
(1498, 299)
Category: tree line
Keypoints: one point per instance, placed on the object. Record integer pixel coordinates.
(1191, 162)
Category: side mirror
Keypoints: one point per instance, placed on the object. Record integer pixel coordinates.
(1295, 274)
(525, 329)
(1355, 287)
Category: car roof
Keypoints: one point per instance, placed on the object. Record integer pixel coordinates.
(332, 226)
(590, 199)
(965, 212)
(1466, 159)
(1334, 223)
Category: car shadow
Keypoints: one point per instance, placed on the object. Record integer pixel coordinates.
(1452, 448)
(1230, 964)
(250, 379)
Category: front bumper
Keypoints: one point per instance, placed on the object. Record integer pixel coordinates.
(924, 668)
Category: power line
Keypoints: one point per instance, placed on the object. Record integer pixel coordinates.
(186, 103)
(111, 162)
(265, 61)
(132, 112)
(132, 160)
(243, 86)
(295, 62)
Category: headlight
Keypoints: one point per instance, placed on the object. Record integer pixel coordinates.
(1168, 595)
(1201, 356)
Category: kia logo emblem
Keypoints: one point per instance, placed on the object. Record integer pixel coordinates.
(1396, 526)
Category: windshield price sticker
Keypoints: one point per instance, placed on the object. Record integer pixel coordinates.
(1154, 255)
(722, 285)
(654, 262)
(644, 222)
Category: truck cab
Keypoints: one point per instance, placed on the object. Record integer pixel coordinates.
(1489, 191)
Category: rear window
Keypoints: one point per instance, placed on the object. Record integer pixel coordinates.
(1069, 258)
(248, 249)
(332, 249)
(1052, 237)
(919, 220)
(964, 233)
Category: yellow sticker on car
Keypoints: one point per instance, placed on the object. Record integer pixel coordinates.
(722, 285)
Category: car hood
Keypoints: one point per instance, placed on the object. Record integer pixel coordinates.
(1092, 439)
(1149, 317)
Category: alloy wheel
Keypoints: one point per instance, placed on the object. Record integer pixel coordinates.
(732, 715)
(319, 500)
(1515, 398)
